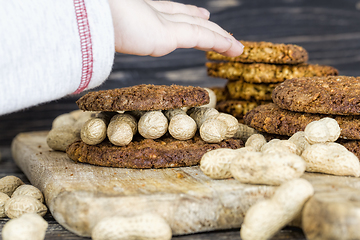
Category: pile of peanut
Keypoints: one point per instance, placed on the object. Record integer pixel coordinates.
(22, 203)
(120, 127)
(277, 162)
(282, 162)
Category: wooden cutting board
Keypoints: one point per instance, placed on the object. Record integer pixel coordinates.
(79, 195)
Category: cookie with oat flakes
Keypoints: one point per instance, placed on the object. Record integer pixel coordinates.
(338, 95)
(265, 52)
(144, 98)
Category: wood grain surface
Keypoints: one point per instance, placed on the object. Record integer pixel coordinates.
(80, 195)
(329, 31)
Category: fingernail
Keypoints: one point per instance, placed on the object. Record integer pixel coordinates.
(241, 45)
(205, 12)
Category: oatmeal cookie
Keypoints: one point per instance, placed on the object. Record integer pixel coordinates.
(271, 119)
(265, 52)
(144, 97)
(266, 73)
(338, 95)
(221, 93)
(250, 91)
(237, 108)
(147, 153)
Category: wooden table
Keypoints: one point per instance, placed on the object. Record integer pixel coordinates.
(329, 30)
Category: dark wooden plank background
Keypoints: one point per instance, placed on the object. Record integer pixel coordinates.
(328, 29)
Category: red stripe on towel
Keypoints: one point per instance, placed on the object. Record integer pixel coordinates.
(85, 43)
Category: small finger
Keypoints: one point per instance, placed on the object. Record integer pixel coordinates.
(196, 21)
(174, 8)
(195, 36)
(209, 25)
(236, 49)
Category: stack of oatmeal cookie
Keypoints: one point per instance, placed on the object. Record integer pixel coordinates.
(252, 76)
(299, 101)
(145, 126)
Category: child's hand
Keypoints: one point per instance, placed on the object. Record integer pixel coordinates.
(156, 28)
